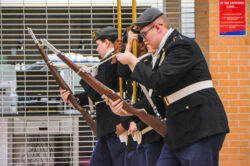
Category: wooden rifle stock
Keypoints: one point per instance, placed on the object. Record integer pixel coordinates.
(63, 85)
(158, 125)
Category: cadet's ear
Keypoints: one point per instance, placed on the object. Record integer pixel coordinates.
(158, 27)
(107, 42)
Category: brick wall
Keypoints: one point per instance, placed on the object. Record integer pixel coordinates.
(229, 61)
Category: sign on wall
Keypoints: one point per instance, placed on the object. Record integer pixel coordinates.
(232, 17)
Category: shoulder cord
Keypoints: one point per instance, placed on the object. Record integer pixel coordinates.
(148, 96)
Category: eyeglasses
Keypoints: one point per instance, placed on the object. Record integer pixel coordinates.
(144, 34)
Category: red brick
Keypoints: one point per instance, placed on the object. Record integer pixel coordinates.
(229, 55)
(245, 95)
(229, 163)
(225, 102)
(239, 75)
(239, 103)
(233, 123)
(239, 143)
(229, 69)
(245, 136)
(245, 163)
(220, 75)
(229, 83)
(214, 21)
(245, 123)
(239, 157)
(245, 109)
(238, 48)
(215, 83)
(224, 156)
(232, 109)
(229, 150)
(244, 82)
(238, 89)
(229, 96)
(245, 55)
(232, 136)
(245, 42)
(245, 69)
(238, 116)
(238, 62)
(218, 49)
(222, 89)
(245, 150)
(213, 55)
(214, 42)
(218, 62)
(213, 69)
(229, 41)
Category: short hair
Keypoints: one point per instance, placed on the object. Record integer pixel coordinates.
(162, 20)
(110, 38)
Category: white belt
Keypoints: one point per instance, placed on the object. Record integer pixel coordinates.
(187, 91)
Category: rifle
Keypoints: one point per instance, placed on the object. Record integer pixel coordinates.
(158, 125)
(63, 85)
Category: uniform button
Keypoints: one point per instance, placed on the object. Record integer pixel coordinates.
(187, 107)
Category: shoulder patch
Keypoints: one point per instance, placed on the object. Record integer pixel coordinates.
(176, 38)
(162, 57)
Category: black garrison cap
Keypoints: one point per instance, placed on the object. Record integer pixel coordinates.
(105, 33)
(147, 17)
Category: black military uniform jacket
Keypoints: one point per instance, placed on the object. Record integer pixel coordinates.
(106, 120)
(142, 102)
(195, 116)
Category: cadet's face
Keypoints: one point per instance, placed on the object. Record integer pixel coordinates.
(101, 48)
(150, 35)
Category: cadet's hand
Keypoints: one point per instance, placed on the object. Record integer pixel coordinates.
(132, 128)
(116, 107)
(85, 68)
(127, 58)
(118, 45)
(65, 95)
(119, 129)
(132, 36)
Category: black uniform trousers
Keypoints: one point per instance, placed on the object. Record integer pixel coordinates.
(202, 153)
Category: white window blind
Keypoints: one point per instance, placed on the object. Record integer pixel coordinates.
(188, 18)
(36, 127)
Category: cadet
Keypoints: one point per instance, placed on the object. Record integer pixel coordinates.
(196, 119)
(149, 142)
(108, 151)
